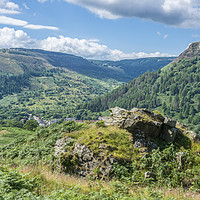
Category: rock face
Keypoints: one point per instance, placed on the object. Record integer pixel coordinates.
(87, 164)
(144, 124)
(192, 51)
(97, 165)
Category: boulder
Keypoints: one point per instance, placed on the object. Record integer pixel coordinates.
(150, 175)
(170, 122)
(143, 123)
(60, 146)
(169, 134)
(179, 157)
(192, 135)
(89, 164)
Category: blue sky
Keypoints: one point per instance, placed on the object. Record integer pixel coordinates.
(101, 29)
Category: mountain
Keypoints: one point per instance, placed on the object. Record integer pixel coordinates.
(135, 67)
(174, 90)
(50, 83)
(32, 61)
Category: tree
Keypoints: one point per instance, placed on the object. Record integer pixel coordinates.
(31, 125)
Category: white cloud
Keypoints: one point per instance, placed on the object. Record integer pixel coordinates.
(7, 7)
(12, 21)
(42, 1)
(6, 11)
(81, 47)
(9, 38)
(195, 35)
(178, 13)
(25, 24)
(25, 6)
(37, 27)
(165, 36)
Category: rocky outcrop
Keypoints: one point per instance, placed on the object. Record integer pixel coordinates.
(87, 163)
(144, 124)
(97, 165)
(146, 129)
(192, 51)
(60, 146)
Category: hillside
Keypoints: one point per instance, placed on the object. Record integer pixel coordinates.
(33, 61)
(50, 83)
(173, 90)
(133, 151)
(135, 67)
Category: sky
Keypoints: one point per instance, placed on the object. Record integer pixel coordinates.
(101, 29)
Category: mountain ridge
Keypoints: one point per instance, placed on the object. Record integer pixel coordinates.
(16, 59)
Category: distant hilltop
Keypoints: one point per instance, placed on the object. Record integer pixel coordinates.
(192, 51)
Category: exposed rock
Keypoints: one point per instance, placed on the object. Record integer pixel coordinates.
(192, 51)
(147, 128)
(179, 157)
(192, 135)
(150, 175)
(168, 134)
(143, 123)
(98, 165)
(60, 146)
(170, 122)
(83, 152)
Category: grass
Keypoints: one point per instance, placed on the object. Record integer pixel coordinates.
(53, 182)
(116, 141)
(9, 134)
(33, 156)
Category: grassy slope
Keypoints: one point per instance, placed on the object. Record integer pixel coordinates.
(28, 153)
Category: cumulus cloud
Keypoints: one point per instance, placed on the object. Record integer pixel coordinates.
(91, 49)
(178, 13)
(9, 38)
(81, 47)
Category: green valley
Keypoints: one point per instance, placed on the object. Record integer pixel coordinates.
(173, 90)
(51, 84)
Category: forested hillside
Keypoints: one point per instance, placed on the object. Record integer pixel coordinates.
(135, 67)
(174, 90)
(50, 84)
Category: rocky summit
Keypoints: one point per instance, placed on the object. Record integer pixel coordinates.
(192, 51)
